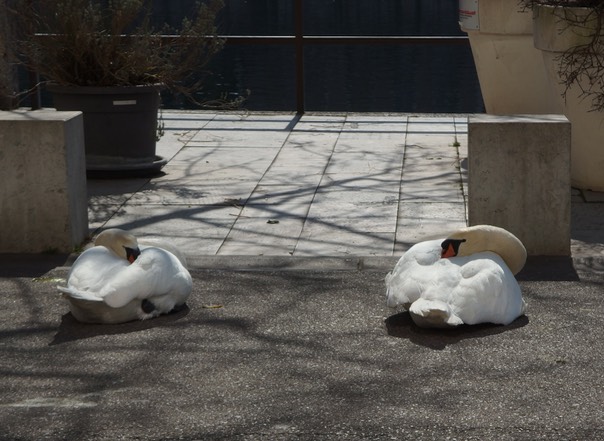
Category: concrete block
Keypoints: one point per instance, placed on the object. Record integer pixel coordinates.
(43, 200)
(519, 178)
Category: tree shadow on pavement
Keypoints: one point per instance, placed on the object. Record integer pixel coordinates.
(70, 329)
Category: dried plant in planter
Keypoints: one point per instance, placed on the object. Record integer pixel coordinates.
(113, 43)
(581, 65)
(8, 74)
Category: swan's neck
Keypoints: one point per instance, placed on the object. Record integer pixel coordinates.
(121, 243)
(481, 238)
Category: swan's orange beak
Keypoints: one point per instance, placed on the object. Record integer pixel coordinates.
(449, 251)
(132, 254)
(450, 247)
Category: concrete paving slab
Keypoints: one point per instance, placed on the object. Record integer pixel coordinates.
(305, 178)
(426, 149)
(312, 144)
(420, 221)
(430, 190)
(304, 151)
(376, 124)
(437, 166)
(366, 162)
(344, 167)
(394, 130)
(239, 138)
(369, 141)
(226, 156)
(363, 221)
(209, 172)
(263, 235)
(187, 119)
(321, 123)
(338, 239)
(442, 143)
(431, 125)
(113, 191)
(99, 215)
(175, 136)
(368, 210)
(280, 199)
(381, 193)
(194, 229)
(366, 215)
(194, 193)
(263, 121)
(378, 185)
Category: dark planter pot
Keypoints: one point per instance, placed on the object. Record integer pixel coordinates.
(120, 127)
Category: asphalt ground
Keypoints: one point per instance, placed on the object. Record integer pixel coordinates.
(298, 353)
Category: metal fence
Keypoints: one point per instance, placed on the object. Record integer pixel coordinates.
(299, 40)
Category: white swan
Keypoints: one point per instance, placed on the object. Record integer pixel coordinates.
(466, 278)
(117, 281)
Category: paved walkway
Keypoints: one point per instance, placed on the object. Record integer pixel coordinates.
(275, 184)
(278, 185)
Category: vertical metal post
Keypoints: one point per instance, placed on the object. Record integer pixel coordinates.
(299, 34)
(34, 96)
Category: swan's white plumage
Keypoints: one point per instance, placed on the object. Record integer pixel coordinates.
(442, 292)
(164, 245)
(103, 287)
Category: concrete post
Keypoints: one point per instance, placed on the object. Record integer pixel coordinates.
(43, 198)
(519, 178)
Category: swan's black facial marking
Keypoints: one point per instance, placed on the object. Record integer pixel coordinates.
(147, 306)
(450, 247)
(132, 254)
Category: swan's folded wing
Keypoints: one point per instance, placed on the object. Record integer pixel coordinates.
(153, 273)
(130, 284)
(488, 291)
(90, 272)
(415, 270)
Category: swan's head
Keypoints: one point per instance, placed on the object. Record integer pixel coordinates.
(478, 238)
(120, 242)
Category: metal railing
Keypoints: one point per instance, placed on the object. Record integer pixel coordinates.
(299, 40)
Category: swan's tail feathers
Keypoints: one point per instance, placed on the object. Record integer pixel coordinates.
(77, 294)
(394, 298)
(433, 314)
(395, 294)
(390, 300)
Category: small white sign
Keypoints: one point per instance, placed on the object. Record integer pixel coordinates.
(468, 15)
(124, 102)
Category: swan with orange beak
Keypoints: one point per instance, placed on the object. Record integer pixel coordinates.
(465, 278)
(117, 281)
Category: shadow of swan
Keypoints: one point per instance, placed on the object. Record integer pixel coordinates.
(71, 330)
(401, 325)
